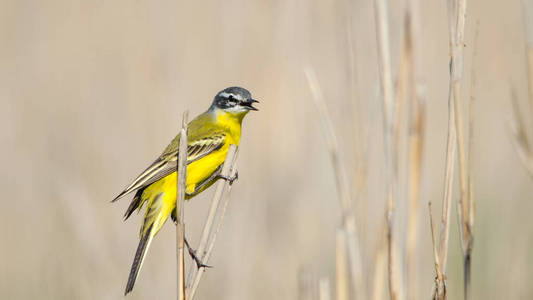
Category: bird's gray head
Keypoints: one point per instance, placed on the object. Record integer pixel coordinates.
(234, 100)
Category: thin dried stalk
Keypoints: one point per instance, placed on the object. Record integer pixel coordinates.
(448, 187)
(212, 240)
(451, 145)
(440, 283)
(342, 287)
(211, 244)
(324, 291)
(415, 140)
(456, 73)
(306, 285)
(340, 173)
(471, 128)
(360, 134)
(457, 18)
(380, 264)
(209, 234)
(467, 219)
(520, 138)
(389, 111)
(341, 179)
(530, 68)
(527, 8)
(465, 203)
(180, 198)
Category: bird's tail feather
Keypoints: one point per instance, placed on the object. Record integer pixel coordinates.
(136, 203)
(142, 249)
(157, 212)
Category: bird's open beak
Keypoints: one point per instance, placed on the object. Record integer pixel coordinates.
(248, 104)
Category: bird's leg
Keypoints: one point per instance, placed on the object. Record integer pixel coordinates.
(192, 253)
(229, 179)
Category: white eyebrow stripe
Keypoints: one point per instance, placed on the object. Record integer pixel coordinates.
(226, 95)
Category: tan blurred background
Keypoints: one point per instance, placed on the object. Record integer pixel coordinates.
(92, 91)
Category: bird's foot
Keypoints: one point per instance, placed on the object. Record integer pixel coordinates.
(230, 179)
(192, 253)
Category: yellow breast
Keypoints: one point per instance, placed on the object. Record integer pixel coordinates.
(202, 169)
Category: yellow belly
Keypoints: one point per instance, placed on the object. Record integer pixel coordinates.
(197, 172)
(160, 196)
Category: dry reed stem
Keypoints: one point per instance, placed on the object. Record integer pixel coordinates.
(451, 146)
(340, 173)
(530, 69)
(208, 225)
(180, 197)
(440, 283)
(456, 74)
(353, 236)
(222, 214)
(520, 138)
(324, 291)
(415, 142)
(212, 240)
(306, 285)
(440, 293)
(473, 82)
(342, 287)
(463, 209)
(448, 187)
(341, 179)
(389, 112)
(360, 180)
(209, 234)
(467, 220)
(457, 18)
(527, 8)
(361, 167)
(380, 264)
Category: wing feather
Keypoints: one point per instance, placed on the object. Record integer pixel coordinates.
(165, 164)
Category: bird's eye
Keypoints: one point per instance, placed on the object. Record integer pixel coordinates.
(231, 97)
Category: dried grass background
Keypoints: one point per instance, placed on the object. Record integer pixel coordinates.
(91, 92)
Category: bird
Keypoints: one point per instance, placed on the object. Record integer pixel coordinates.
(209, 137)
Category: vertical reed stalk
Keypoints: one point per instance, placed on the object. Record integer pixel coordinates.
(342, 287)
(457, 18)
(380, 264)
(341, 180)
(467, 220)
(456, 74)
(180, 197)
(210, 231)
(389, 125)
(457, 25)
(520, 136)
(527, 8)
(448, 188)
(450, 154)
(440, 287)
(415, 142)
(307, 289)
(324, 292)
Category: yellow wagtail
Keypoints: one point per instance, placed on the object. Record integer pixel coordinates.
(208, 139)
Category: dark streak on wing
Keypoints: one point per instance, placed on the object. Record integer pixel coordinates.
(166, 163)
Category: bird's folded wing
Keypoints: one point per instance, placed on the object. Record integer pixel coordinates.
(165, 164)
